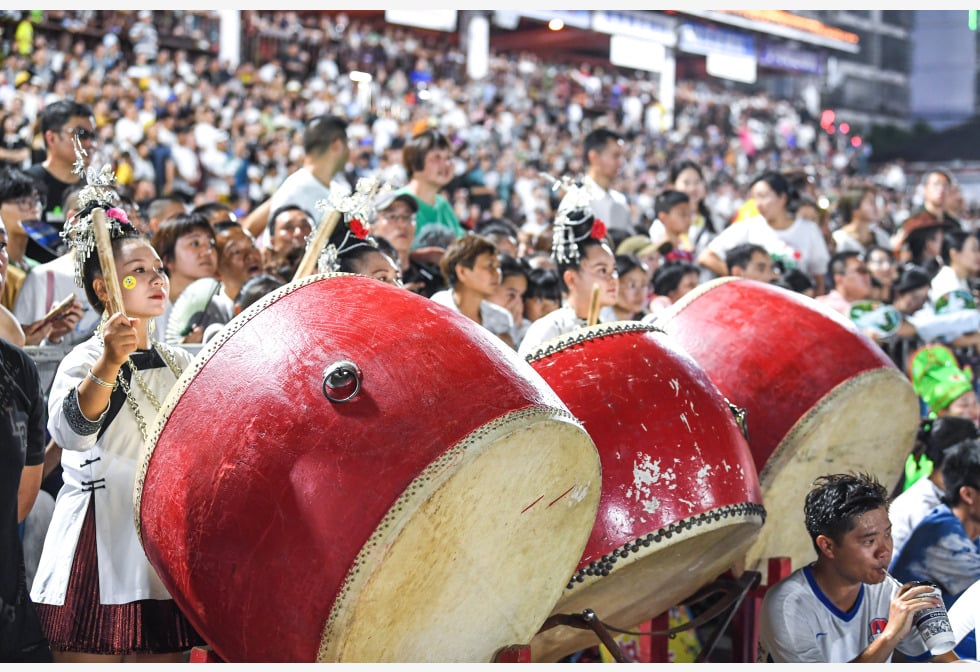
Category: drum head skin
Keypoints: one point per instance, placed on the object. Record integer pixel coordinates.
(820, 396)
(680, 495)
(436, 515)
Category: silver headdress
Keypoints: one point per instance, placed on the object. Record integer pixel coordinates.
(97, 193)
(357, 211)
(574, 211)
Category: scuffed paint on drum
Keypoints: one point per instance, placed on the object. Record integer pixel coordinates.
(289, 485)
(658, 421)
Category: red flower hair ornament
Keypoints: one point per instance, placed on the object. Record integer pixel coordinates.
(358, 229)
(598, 229)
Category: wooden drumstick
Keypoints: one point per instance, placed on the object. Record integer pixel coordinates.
(594, 306)
(103, 243)
(317, 243)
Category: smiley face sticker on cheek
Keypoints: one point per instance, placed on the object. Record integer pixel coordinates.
(129, 282)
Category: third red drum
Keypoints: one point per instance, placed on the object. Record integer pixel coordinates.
(680, 495)
(353, 473)
(820, 397)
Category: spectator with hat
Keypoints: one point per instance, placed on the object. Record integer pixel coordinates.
(395, 223)
(945, 390)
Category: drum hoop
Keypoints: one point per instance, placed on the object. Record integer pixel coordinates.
(583, 334)
(775, 460)
(666, 536)
(191, 371)
(432, 476)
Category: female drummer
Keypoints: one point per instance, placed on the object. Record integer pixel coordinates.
(98, 598)
(585, 260)
(351, 249)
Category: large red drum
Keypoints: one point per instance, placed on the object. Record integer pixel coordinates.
(352, 472)
(680, 495)
(820, 397)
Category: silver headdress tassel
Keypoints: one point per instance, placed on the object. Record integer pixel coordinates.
(573, 211)
(97, 193)
(357, 210)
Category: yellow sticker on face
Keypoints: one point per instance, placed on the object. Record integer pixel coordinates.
(129, 282)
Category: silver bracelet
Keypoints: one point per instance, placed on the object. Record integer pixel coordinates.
(101, 382)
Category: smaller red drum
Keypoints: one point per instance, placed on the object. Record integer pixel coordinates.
(680, 495)
(352, 472)
(820, 396)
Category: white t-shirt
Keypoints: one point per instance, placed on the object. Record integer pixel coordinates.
(496, 319)
(303, 189)
(802, 236)
(555, 324)
(909, 508)
(799, 624)
(945, 281)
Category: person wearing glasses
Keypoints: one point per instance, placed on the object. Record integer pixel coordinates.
(61, 121)
(19, 203)
(395, 223)
(851, 280)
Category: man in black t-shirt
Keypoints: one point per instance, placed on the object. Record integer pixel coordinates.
(22, 424)
(61, 121)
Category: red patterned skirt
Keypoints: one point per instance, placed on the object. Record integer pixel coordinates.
(84, 625)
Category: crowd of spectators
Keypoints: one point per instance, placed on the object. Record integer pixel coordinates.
(244, 123)
(722, 182)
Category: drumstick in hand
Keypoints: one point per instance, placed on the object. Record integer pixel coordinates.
(594, 306)
(103, 243)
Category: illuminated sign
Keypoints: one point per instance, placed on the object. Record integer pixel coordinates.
(784, 18)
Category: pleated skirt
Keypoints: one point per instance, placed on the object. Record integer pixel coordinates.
(84, 625)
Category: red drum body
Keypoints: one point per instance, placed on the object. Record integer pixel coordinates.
(820, 397)
(680, 495)
(351, 472)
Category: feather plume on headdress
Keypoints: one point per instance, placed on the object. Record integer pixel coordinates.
(97, 193)
(352, 232)
(574, 221)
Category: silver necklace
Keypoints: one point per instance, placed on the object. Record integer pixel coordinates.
(167, 355)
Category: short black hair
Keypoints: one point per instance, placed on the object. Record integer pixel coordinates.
(55, 115)
(667, 199)
(836, 501)
(838, 263)
(255, 288)
(286, 208)
(667, 278)
(16, 183)
(416, 149)
(543, 283)
(598, 139)
(938, 434)
(961, 467)
(322, 131)
(740, 256)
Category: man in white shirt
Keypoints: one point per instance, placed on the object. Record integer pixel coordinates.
(326, 149)
(844, 607)
(604, 154)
